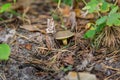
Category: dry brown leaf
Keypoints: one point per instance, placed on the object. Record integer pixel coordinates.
(65, 11)
(69, 59)
(76, 8)
(77, 12)
(87, 15)
(28, 46)
(90, 16)
(32, 28)
(118, 1)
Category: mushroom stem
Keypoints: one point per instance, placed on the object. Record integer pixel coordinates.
(64, 41)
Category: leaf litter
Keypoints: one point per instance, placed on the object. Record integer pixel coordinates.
(38, 55)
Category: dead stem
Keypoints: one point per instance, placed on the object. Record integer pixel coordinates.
(110, 76)
(110, 67)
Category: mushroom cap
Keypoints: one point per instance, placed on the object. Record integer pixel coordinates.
(63, 34)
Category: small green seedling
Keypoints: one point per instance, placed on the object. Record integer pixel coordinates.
(67, 68)
(6, 7)
(4, 51)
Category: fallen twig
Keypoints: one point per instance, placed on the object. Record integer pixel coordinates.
(7, 21)
(59, 50)
(3, 76)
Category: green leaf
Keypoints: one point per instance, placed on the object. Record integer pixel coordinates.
(56, 1)
(4, 52)
(101, 20)
(113, 19)
(114, 10)
(15, 13)
(55, 17)
(105, 6)
(91, 6)
(5, 7)
(89, 34)
(93, 31)
(68, 2)
(100, 27)
(65, 69)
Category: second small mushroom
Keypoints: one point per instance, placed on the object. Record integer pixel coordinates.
(64, 35)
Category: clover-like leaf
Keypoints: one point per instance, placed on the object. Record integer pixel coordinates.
(4, 52)
(91, 6)
(100, 27)
(105, 6)
(90, 33)
(101, 20)
(114, 10)
(113, 19)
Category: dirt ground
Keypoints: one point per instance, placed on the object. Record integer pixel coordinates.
(39, 56)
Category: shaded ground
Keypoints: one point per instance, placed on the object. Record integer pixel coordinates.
(38, 56)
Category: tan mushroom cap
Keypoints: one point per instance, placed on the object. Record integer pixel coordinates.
(63, 34)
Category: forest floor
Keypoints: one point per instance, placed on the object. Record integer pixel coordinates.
(39, 56)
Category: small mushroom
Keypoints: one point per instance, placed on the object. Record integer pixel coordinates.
(63, 35)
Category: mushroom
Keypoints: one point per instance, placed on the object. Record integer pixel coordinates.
(63, 35)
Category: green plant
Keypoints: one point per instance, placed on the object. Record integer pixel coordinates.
(97, 6)
(67, 2)
(5, 8)
(4, 52)
(112, 19)
(108, 17)
(65, 69)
